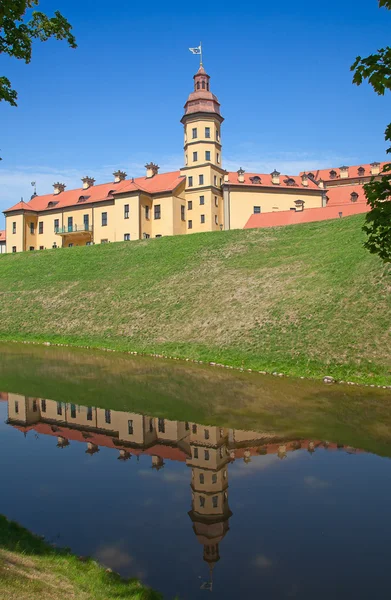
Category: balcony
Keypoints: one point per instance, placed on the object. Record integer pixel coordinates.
(73, 230)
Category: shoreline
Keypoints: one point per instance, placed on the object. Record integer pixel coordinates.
(327, 377)
(30, 567)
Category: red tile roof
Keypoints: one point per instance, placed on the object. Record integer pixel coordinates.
(19, 206)
(308, 215)
(324, 174)
(2, 236)
(266, 181)
(342, 194)
(165, 182)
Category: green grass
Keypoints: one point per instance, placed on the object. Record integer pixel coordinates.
(32, 569)
(304, 300)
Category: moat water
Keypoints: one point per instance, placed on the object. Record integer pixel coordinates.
(199, 480)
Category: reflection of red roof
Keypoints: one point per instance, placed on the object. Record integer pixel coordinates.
(266, 181)
(104, 441)
(352, 172)
(2, 236)
(290, 447)
(167, 452)
(165, 182)
(308, 215)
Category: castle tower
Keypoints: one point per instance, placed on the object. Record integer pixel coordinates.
(203, 157)
(210, 512)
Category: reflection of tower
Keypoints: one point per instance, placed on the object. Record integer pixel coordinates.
(210, 511)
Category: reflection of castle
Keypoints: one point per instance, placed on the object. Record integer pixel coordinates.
(207, 450)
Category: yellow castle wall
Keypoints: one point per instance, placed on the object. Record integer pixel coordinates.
(15, 239)
(243, 200)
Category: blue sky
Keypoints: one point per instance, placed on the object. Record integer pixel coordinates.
(280, 71)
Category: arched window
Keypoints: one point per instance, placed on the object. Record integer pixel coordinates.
(333, 174)
(198, 85)
(203, 85)
(207, 86)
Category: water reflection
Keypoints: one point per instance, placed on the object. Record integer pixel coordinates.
(208, 451)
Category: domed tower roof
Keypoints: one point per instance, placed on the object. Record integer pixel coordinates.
(201, 100)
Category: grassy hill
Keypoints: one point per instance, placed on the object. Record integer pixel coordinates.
(302, 300)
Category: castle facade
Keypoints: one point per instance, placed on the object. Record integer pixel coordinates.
(201, 196)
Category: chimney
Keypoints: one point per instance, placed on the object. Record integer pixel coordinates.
(282, 451)
(62, 442)
(119, 176)
(123, 454)
(152, 169)
(321, 184)
(87, 182)
(58, 188)
(92, 448)
(157, 462)
(304, 179)
(375, 168)
(226, 177)
(343, 172)
(241, 173)
(275, 177)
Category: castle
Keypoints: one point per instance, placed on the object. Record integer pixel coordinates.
(201, 196)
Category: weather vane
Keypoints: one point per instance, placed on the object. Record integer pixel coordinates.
(197, 50)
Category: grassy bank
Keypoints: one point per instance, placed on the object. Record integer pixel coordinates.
(304, 300)
(31, 569)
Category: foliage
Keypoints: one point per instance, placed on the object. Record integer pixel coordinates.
(290, 299)
(376, 68)
(17, 34)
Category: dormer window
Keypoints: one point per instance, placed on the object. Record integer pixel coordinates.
(354, 196)
(333, 174)
(256, 179)
(311, 176)
(110, 192)
(52, 203)
(82, 198)
(290, 181)
(361, 171)
(299, 205)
